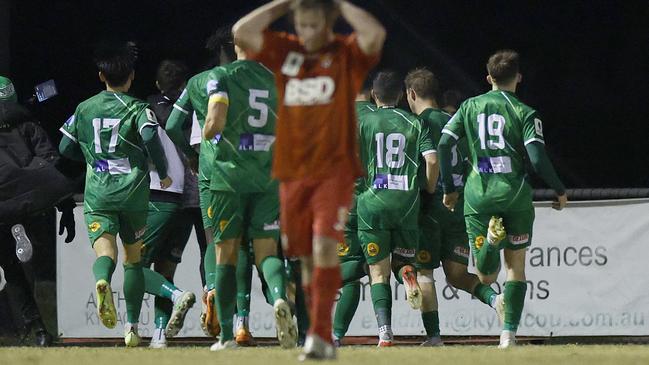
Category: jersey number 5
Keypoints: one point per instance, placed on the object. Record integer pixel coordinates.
(256, 104)
(491, 134)
(391, 146)
(113, 124)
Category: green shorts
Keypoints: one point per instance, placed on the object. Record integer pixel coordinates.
(350, 249)
(378, 244)
(444, 231)
(205, 201)
(165, 237)
(253, 215)
(130, 226)
(518, 225)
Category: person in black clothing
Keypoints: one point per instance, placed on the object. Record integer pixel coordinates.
(30, 186)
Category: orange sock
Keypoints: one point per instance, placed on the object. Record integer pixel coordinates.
(324, 286)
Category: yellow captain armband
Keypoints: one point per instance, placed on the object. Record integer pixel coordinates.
(219, 97)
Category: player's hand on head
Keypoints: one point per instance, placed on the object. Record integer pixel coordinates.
(450, 200)
(165, 183)
(560, 202)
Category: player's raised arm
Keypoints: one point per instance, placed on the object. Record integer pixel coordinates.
(370, 32)
(248, 32)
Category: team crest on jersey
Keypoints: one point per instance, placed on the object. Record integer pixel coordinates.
(479, 241)
(223, 224)
(423, 256)
(292, 64)
(326, 62)
(373, 249)
(94, 227)
(342, 248)
(210, 212)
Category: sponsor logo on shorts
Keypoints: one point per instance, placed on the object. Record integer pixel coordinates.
(210, 212)
(519, 239)
(373, 249)
(479, 241)
(223, 224)
(94, 227)
(404, 252)
(140, 233)
(462, 251)
(274, 226)
(342, 248)
(423, 256)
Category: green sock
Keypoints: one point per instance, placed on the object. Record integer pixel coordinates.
(487, 259)
(514, 301)
(484, 293)
(103, 268)
(346, 308)
(133, 291)
(431, 323)
(163, 307)
(209, 262)
(382, 301)
(352, 271)
(156, 284)
(226, 288)
(273, 269)
(244, 280)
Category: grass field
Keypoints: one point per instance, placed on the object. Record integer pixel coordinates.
(450, 355)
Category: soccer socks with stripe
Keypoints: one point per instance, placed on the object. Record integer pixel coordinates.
(244, 280)
(487, 258)
(133, 291)
(485, 293)
(350, 295)
(324, 287)
(431, 323)
(273, 269)
(226, 291)
(209, 263)
(514, 302)
(382, 302)
(352, 271)
(158, 285)
(162, 310)
(103, 268)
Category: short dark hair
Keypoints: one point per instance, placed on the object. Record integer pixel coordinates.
(221, 43)
(453, 98)
(387, 87)
(171, 75)
(503, 65)
(424, 82)
(116, 61)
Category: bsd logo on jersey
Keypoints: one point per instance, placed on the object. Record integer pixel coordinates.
(312, 91)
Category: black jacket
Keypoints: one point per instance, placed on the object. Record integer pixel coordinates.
(29, 180)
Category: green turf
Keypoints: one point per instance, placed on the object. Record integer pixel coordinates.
(546, 355)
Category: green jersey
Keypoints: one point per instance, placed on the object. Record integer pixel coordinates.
(194, 99)
(436, 119)
(243, 154)
(107, 128)
(497, 127)
(392, 140)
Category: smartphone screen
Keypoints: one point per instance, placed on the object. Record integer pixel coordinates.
(46, 90)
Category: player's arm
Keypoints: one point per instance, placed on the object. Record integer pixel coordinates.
(453, 131)
(179, 118)
(370, 33)
(248, 32)
(432, 171)
(148, 129)
(217, 114)
(69, 145)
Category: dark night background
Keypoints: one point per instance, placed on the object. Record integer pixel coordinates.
(585, 64)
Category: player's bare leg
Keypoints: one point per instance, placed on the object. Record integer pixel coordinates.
(324, 283)
(103, 268)
(513, 296)
(382, 300)
(133, 291)
(459, 277)
(227, 253)
(273, 269)
(429, 307)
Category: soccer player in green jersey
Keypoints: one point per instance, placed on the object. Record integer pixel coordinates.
(392, 140)
(108, 131)
(501, 132)
(352, 260)
(245, 199)
(443, 234)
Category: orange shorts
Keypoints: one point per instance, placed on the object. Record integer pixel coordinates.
(313, 207)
